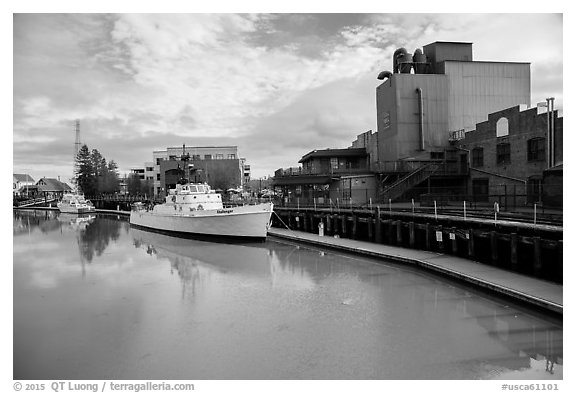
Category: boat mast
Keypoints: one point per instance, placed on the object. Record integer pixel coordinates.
(185, 157)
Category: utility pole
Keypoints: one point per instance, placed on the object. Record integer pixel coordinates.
(76, 149)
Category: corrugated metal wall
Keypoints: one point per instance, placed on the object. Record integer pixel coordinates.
(479, 88)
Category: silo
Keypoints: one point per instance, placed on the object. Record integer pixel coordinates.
(405, 63)
(420, 62)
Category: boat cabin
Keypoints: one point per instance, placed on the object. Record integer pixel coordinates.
(193, 196)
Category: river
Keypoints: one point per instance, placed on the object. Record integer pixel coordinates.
(97, 299)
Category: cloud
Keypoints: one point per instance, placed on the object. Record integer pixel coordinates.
(276, 85)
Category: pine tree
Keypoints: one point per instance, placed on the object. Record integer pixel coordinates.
(84, 172)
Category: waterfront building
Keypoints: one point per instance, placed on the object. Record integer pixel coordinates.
(510, 157)
(219, 166)
(427, 107)
(20, 183)
(52, 188)
(341, 175)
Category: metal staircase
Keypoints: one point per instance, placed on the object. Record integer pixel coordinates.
(412, 179)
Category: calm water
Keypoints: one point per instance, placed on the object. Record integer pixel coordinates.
(100, 300)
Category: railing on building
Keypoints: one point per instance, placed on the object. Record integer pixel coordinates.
(457, 135)
(299, 171)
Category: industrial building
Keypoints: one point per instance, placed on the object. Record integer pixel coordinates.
(435, 110)
(439, 90)
(510, 157)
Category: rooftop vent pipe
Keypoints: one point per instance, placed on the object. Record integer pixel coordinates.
(420, 117)
(384, 74)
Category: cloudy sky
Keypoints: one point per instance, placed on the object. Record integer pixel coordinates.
(275, 85)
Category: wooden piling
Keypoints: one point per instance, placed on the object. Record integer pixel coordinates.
(328, 225)
(398, 225)
(514, 250)
(313, 228)
(537, 265)
(494, 246)
(428, 236)
(471, 252)
(412, 231)
(370, 224)
(440, 243)
(354, 226)
(559, 265)
(388, 236)
(343, 221)
(454, 242)
(378, 224)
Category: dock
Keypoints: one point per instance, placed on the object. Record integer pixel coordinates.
(531, 291)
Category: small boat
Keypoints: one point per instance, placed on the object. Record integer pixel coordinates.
(196, 209)
(75, 203)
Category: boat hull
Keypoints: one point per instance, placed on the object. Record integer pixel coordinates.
(75, 210)
(243, 222)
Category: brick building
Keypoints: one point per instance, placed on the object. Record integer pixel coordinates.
(509, 153)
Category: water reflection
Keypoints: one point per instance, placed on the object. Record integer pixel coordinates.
(154, 306)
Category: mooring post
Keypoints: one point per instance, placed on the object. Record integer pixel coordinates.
(343, 220)
(412, 232)
(428, 236)
(354, 226)
(328, 225)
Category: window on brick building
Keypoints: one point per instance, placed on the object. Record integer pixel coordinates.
(502, 127)
(537, 149)
(477, 157)
(503, 153)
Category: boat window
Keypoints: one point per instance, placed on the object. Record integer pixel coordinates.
(200, 188)
(193, 189)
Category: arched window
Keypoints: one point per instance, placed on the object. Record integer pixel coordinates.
(502, 127)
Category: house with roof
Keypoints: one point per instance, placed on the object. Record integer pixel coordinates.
(20, 182)
(52, 188)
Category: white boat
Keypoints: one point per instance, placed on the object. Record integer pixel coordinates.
(196, 209)
(75, 203)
